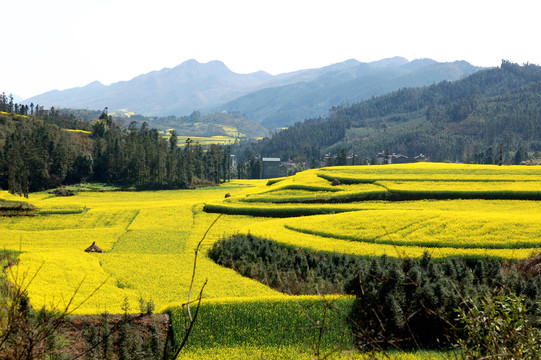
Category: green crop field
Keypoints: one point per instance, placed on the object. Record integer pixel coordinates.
(149, 239)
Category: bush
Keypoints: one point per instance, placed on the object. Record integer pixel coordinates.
(400, 303)
(498, 326)
(410, 303)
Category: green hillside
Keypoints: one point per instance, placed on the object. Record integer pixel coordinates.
(234, 124)
(464, 121)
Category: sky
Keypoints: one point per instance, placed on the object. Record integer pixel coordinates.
(60, 44)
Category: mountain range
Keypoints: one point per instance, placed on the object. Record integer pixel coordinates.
(270, 100)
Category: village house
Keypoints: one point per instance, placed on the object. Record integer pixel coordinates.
(271, 168)
(384, 159)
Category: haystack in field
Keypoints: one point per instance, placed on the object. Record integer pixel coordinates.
(93, 248)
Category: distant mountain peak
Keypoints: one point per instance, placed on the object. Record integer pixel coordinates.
(194, 64)
(351, 62)
(390, 62)
(95, 84)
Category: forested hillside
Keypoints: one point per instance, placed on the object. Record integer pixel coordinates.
(223, 123)
(37, 154)
(490, 114)
(234, 124)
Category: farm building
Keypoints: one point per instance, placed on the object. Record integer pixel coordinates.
(271, 168)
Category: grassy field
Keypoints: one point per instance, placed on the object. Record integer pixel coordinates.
(272, 322)
(277, 328)
(149, 238)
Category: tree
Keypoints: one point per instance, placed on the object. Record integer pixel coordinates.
(520, 156)
(173, 138)
(342, 157)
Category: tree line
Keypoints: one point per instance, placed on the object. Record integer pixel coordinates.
(8, 105)
(37, 154)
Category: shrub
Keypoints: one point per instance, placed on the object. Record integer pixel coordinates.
(408, 303)
(498, 326)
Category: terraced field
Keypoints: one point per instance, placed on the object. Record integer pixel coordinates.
(401, 210)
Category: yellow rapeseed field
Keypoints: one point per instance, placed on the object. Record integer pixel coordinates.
(149, 237)
(430, 228)
(425, 171)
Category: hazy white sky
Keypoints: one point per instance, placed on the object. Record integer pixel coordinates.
(58, 44)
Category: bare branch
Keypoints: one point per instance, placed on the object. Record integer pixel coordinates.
(195, 264)
(192, 321)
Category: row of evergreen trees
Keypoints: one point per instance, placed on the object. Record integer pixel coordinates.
(37, 155)
(141, 157)
(290, 270)
(8, 105)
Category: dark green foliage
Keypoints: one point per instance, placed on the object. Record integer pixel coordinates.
(290, 270)
(407, 303)
(499, 326)
(153, 346)
(267, 211)
(92, 339)
(106, 338)
(146, 307)
(143, 159)
(212, 124)
(126, 344)
(7, 105)
(35, 155)
(125, 337)
(16, 208)
(304, 140)
(401, 303)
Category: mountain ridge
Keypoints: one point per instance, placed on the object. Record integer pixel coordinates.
(284, 105)
(212, 86)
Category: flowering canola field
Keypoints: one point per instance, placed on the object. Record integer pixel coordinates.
(148, 240)
(445, 209)
(149, 237)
